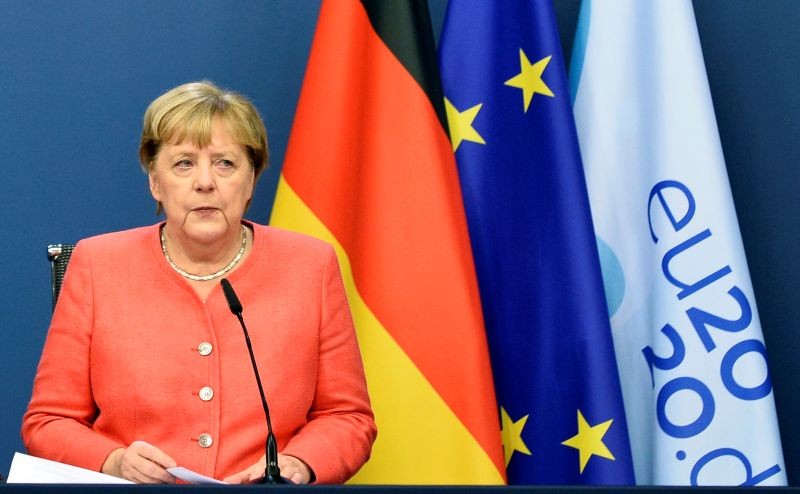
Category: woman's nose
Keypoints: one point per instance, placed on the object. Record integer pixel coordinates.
(204, 178)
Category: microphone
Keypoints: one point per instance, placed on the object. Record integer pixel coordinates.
(272, 474)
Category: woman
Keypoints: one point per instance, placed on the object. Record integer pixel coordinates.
(145, 368)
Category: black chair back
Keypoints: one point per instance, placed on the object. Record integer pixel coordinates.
(58, 255)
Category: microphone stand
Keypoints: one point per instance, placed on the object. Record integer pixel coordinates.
(272, 473)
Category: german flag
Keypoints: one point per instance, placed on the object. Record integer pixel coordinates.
(370, 169)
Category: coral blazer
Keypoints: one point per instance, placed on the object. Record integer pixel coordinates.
(134, 354)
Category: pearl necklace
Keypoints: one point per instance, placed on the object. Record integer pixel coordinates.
(206, 277)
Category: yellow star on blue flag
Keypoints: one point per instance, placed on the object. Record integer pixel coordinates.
(529, 78)
(460, 124)
(512, 435)
(589, 440)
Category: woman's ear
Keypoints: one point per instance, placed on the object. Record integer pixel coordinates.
(252, 185)
(155, 191)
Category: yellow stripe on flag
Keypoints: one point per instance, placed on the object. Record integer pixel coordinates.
(417, 432)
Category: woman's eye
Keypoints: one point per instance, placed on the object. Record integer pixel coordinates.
(183, 164)
(225, 163)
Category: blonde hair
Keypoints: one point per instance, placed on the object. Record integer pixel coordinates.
(188, 111)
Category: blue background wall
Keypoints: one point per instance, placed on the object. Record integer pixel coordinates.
(76, 77)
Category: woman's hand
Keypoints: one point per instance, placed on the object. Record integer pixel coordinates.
(292, 469)
(140, 462)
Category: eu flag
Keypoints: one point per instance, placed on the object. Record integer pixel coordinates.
(513, 133)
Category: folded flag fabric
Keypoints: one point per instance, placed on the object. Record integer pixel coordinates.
(513, 134)
(370, 170)
(688, 340)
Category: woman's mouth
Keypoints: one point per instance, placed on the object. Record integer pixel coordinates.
(205, 211)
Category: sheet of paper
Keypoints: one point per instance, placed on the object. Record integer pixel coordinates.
(26, 469)
(192, 477)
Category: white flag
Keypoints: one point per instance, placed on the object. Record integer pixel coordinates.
(689, 345)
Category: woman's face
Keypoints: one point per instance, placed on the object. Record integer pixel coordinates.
(204, 191)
